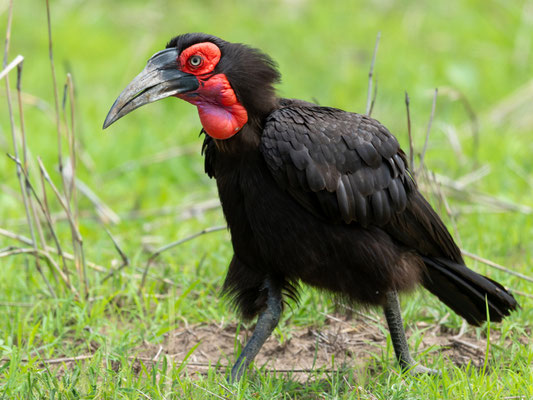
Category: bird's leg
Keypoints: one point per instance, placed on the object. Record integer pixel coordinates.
(393, 314)
(266, 322)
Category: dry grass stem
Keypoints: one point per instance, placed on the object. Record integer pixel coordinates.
(15, 236)
(151, 360)
(453, 138)
(494, 265)
(227, 390)
(365, 316)
(181, 213)
(29, 99)
(520, 171)
(162, 156)
(184, 213)
(69, 184)
(70, 257)
(449, 212)
(374, 96)
(15, 304)
(33, 221)
(454, 188)
(175, 244)
(105, 213)
(156, 357)
(13, 64)
(66, 359)
(19, 166)
(54, 86)
(411, 149)
(8, 32)
(62, 201)
(369, 98)
(432, 115)
(473, 176)
(457, 95)
(77, 241)
(123, 256)
(44, 209)
(521, 97)
(70, 166)
(42, 254)
(33, 216)
(82, 357)
(518, 292)
(33, 211)
(209, 391)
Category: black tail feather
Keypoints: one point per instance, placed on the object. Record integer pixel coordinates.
(467, 292)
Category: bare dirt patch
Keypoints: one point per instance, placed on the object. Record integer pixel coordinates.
(349, 341)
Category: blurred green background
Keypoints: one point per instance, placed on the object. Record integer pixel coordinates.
(480, 48)
(474, 51)
(478, 53)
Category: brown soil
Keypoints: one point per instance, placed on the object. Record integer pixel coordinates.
(352, 342)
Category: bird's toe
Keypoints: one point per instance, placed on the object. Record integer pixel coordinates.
(420, 369)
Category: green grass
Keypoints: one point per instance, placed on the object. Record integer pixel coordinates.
(482, 49)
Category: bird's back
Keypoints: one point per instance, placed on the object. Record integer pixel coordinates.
(348, 169)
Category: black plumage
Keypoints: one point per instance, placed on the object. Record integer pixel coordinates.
(324, 197)
(356, 226)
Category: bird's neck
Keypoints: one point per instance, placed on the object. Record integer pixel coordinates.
(244, 142)
(247, 140)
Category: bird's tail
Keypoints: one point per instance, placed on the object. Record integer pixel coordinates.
(467, 292)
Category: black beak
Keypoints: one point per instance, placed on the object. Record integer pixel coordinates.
(160, 78)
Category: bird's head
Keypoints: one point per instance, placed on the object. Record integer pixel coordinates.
(229, 83)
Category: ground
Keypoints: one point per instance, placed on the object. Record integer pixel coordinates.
(350, 342)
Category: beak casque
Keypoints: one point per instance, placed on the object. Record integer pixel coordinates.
(160, 78)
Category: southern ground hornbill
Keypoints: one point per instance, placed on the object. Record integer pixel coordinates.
(311, 194)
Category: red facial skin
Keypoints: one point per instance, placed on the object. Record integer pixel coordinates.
(221, 114)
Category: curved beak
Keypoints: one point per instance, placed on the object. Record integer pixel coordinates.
(160, 78)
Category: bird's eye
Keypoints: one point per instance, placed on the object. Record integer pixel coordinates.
(195, 61)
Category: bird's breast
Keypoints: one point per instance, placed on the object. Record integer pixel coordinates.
(269, 229)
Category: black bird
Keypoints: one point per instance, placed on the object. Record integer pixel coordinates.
(311, 194)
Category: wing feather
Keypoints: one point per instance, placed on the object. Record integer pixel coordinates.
(348, 166)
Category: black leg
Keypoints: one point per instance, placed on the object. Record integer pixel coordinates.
(266, 322)
(393, 314)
